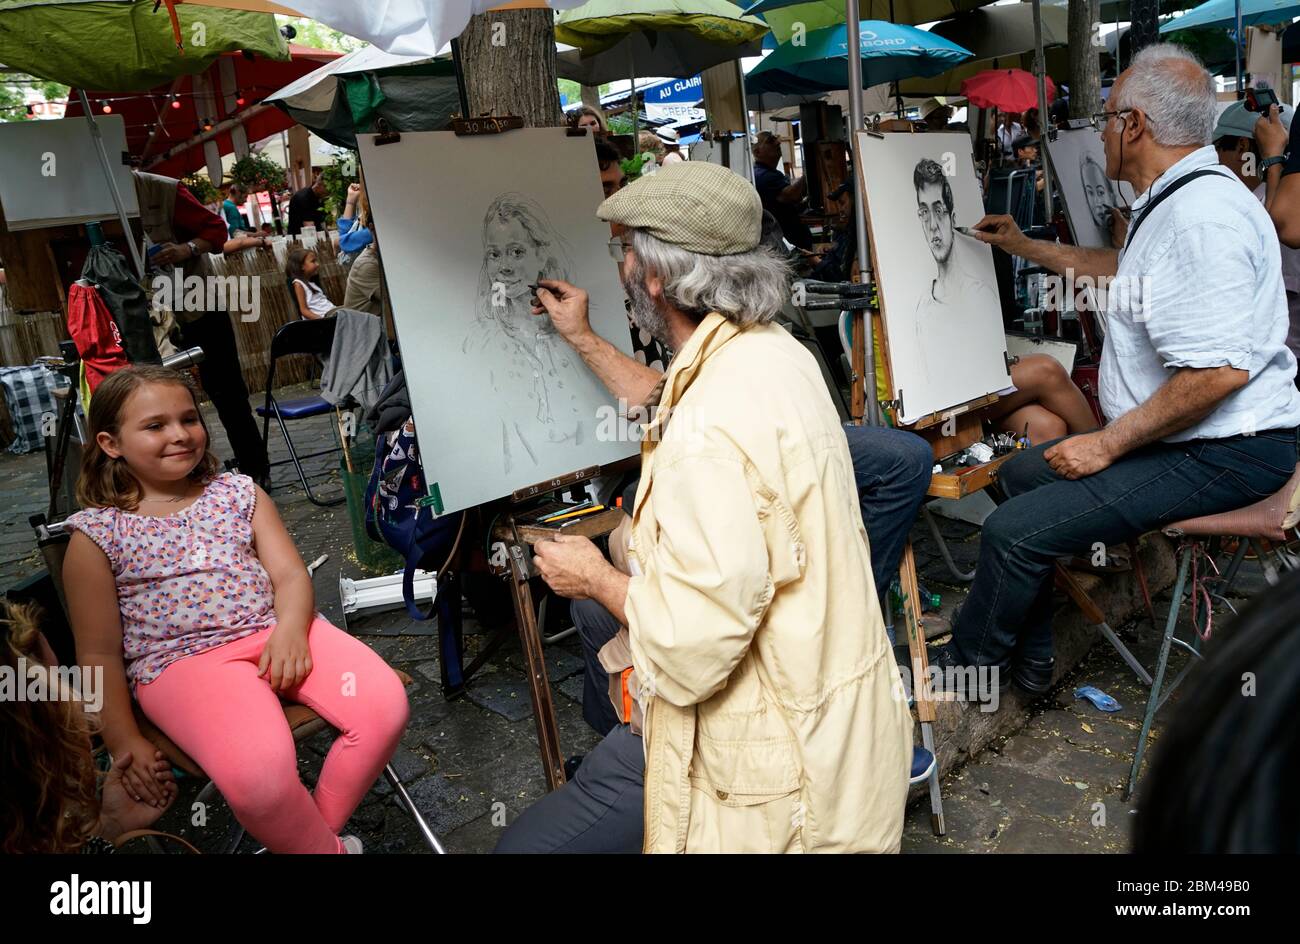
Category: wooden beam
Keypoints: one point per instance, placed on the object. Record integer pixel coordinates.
(219, 128)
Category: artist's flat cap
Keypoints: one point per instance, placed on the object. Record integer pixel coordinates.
(696, 205)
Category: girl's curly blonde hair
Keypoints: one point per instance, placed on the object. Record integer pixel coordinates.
(49, 801)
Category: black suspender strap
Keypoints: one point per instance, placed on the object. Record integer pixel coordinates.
(1167, 192)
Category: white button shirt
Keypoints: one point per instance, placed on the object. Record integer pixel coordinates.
(1200, 285)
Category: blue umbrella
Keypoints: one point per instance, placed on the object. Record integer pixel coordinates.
(889, 52)
(1224, 13)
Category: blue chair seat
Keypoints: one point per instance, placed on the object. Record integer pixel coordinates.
(298, 408)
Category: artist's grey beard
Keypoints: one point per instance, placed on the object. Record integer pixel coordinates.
(645, 313)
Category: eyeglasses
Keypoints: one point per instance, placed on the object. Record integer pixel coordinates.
(941, 214)
(1100, 119)
(618, 248)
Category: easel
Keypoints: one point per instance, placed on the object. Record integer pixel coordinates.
(966, 429)
(515, 538)
(510, 538)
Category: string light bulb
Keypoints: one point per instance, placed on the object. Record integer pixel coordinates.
(106, 108)
(240, 100)
(176, 102)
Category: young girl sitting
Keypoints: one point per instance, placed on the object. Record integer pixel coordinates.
(301, 268)
(191, 596)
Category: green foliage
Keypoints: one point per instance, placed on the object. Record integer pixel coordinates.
(53, 91)
(201, 188)
(570, 89)
(11, 105)
(318, 35)
(620, 124)
(257, 173)
(336, 188)
(12, 100)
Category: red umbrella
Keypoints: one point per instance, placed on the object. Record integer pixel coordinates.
(166, 126)
(1005, 89)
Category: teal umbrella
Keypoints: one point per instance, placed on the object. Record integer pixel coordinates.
(1224, 13)
(888, 52)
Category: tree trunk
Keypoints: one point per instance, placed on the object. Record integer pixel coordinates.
(1085, 58)
(1143, 28)
(509, 60)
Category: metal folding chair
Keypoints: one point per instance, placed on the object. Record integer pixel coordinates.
(298, 337)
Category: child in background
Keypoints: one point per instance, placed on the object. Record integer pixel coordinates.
(301, 269)
(54, 800)
(192, 596)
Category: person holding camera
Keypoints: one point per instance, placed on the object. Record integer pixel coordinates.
(1242, 151)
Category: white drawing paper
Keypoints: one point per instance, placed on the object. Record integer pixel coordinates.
(466, 225)
(1079, 165)
(51, 173)
(942, 316)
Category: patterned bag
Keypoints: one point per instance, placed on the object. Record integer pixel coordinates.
(399, 512)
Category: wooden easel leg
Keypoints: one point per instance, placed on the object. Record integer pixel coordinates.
(925, 712)
(539, 687)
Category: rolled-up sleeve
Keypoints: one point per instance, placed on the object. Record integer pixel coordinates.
(1197, 298)
(692, 615)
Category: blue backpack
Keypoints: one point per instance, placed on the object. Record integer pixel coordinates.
(399, 512)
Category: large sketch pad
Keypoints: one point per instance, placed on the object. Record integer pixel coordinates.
(938, 290)
(1078, 160)
(465, 225)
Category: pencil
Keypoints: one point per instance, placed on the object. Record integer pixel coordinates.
(575, 514)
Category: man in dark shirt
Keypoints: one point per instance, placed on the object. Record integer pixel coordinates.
(780, 197)
(185, 232)
(305, 207)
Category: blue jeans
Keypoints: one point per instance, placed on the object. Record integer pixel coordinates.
(1008, 614)
(892, 471)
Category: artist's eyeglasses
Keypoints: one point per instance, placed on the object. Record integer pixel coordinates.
(1102, 118)
(941, 214)
(618, 248)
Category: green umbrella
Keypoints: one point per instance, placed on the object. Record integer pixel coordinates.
(782, 15)
(600, 25)
(124, 45)
(641, 37)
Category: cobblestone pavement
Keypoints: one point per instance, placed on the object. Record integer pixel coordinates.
(472, 765)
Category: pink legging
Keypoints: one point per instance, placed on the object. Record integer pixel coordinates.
(217, 709)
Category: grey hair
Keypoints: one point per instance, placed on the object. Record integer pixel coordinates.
(746, 288)
(1179, 102)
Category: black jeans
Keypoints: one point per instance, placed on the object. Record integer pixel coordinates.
(1009, 610)
(224, 384)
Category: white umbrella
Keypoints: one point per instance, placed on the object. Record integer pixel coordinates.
(402, 27)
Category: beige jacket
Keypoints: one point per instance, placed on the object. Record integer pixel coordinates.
(773, 710)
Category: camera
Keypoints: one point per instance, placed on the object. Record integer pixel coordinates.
(1259, 99)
